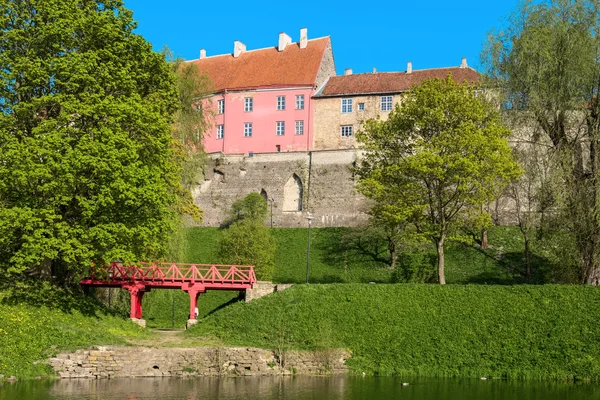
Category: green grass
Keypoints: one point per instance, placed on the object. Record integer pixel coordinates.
(336, 258)
(333, 259)
(38, 320)
(517, 332)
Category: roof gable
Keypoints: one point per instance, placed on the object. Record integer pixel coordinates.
(266, 67)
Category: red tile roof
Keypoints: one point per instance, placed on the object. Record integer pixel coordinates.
(266, 67)
(391, 82)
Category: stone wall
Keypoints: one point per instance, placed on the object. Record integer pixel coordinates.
(263, 288)
(327, 187)
(102, 362)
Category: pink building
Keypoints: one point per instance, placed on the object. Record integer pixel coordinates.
(262, 98)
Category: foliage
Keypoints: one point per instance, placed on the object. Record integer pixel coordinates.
(416, 264)
(251, 207)
(546, 64)
(88, 169)
(191, 120)
(514, 332)
(246, 240)
(435, 161)
(249, 242)
(38, 320)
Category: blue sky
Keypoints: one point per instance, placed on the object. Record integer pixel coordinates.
(365, 34)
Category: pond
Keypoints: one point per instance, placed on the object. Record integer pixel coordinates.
(295, 388)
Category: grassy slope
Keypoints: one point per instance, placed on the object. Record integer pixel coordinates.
(37, 320)
(332, 262)
(537, 332)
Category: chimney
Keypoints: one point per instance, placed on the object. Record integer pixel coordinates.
(284, 40)
(202, 54)
(348, 71)
(374, 70)
(409, 67)
(238, 48)
(463, 63)
(303, 38)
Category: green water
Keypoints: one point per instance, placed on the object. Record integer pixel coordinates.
(314, 388)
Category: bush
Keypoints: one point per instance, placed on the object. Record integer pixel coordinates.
(415, 265)
(249, 242)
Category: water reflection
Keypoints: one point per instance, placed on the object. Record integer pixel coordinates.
(294, 388)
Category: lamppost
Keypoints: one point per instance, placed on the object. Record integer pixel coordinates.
(309, 218)
(271, 200)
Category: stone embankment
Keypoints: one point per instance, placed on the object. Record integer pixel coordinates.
(126, 362)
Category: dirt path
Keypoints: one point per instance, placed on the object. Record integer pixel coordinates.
(173, 338)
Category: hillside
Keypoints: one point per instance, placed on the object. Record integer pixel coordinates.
(38, 320)
(522, 332)
(344, 256)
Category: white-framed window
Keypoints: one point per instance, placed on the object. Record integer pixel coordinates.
(280, 131)
(386, 103)
(299, 127)
(361, 106)
(248, 104)
(220, 131)
(346, 130)
(346, 106)
(280, 103)
(220, 106)
(300, 102)
(248, 129)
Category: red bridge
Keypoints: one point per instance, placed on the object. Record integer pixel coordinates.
(192, 278)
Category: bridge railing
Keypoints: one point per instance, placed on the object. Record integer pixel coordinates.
(174, 272)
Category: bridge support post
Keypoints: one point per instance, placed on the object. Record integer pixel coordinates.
(194, 291)
(136, 293)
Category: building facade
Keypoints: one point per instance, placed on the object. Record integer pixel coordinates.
(263, 99)
(345, 101)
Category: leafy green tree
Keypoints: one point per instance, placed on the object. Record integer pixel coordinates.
(250, 207)
(546, 63)
(247, 241)
(435, 161)
(88, 168)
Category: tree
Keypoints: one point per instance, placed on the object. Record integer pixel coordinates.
(88, 166)
(546, 63)
(435, 161)
(250, 207)
(247, 241)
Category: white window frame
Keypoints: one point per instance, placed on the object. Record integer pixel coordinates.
(220, 131)
(247, 129)
(280, 128)
(280, 103)
(346, 130)
(248, 104)
(221, 106)
(387, 103)
(346, 106)
(300, 127)
(300, 102)
(361, 107)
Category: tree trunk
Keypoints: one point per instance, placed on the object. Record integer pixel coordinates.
(527, 257)
(439, 244)
(484, 238)
(393, 254)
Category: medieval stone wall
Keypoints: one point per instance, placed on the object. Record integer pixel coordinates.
(292, 183)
